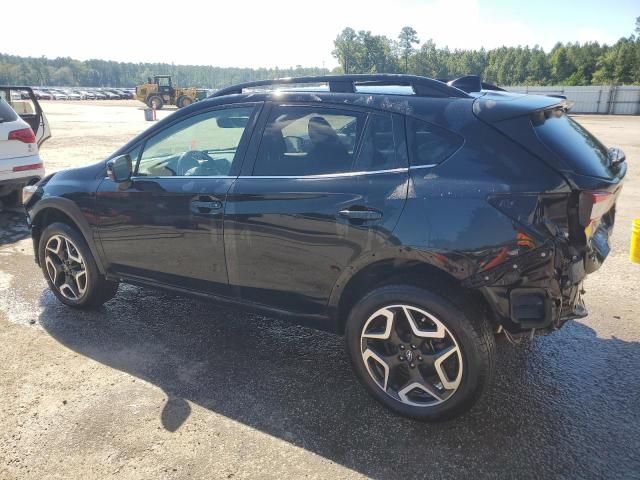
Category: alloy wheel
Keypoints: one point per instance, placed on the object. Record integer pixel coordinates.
(411, 355)
(66, 267)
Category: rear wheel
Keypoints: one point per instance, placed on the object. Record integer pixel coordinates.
(70, 270)
(155, 101)
(418, 353)
(184, 101)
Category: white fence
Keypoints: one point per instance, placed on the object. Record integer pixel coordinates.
(620, 100)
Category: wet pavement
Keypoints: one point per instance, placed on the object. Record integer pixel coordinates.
(280, 400)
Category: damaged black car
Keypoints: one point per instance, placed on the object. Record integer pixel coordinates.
(419, 218)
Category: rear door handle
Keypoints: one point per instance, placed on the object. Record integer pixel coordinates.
(206, 207)
(368, 214)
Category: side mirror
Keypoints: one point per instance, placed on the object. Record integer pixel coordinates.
(119, 169)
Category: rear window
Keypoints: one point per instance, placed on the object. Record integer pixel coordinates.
(378, 150)
(580, 150)
(428, 144)
(6, 112)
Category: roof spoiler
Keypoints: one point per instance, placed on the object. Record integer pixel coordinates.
(495, 107)
(472, 83)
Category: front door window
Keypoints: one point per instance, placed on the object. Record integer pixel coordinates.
(203, 145)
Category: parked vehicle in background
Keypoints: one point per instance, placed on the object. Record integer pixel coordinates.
(124, 94)
(23, 129)
(415, 217)
(72, 95)
(42, 95)
(87, 94)
(109, 94)
(79, 93)
(58, 95)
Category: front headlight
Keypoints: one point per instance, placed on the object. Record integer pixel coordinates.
(27, 193)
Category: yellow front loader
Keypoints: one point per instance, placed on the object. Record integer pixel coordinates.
(160, 91)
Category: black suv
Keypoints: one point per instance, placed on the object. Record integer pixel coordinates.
(417, 218)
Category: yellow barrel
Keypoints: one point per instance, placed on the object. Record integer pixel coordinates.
(634, 251)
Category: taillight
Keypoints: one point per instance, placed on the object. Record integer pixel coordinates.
(24, 168)
(24, 135)
(593, 206)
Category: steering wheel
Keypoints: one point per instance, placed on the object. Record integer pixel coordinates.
(189, 160)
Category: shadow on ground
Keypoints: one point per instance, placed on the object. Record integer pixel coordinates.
(13, 226)
(563, 405)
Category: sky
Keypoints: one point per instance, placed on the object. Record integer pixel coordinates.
(287, 33)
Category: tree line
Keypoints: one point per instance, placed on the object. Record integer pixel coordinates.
(588, 63)
(64, 71)
(566, 64)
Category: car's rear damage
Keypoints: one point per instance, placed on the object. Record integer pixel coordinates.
(561, 237)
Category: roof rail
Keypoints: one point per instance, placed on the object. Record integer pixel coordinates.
(422, 86)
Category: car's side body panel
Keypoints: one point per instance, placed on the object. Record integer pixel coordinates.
(151, 231)
(287, 243)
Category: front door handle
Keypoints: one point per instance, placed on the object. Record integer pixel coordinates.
(360, 214)
(206, 206)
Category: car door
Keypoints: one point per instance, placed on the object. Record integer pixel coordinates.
(28, 108)
(165, 226)
(327, 186)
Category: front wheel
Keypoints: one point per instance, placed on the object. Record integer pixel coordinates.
(156, 102)
(418, 352)
(70, 270)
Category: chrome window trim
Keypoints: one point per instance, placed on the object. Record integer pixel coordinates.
(157, 177)
(332, 175)
(418, 167)
(320, 176)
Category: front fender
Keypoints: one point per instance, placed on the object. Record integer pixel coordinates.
(69, 209)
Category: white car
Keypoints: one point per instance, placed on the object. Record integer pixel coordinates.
(58, 95)
(23, 128)
(71, 95)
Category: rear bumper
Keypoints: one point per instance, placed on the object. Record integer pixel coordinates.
(17, 180)
(18, 172)
(541, 289)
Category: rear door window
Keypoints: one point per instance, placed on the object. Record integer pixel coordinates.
(428, 144)
(302, 141)
(379, 149)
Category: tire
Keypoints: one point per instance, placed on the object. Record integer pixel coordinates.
(184, 101)
(449, 350)
(157, 100)
(63, 269)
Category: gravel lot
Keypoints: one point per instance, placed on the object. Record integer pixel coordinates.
(156, 386)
